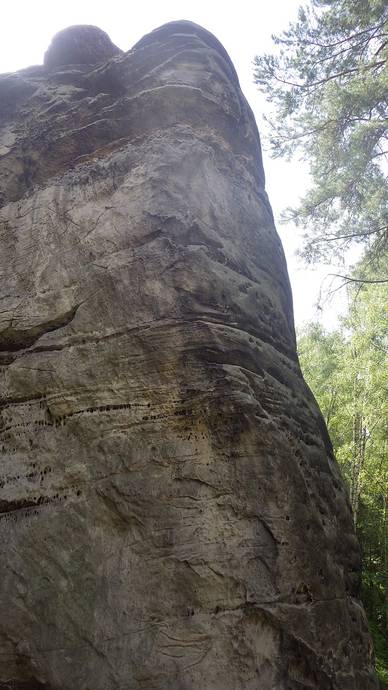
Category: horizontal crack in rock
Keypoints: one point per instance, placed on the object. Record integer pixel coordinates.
(14, 339)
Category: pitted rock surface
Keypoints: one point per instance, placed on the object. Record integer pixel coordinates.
(171, 514)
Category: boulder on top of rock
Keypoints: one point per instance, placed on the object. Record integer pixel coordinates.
(80, 45)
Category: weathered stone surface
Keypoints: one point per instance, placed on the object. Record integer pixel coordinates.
(82, 45)
(171, 513)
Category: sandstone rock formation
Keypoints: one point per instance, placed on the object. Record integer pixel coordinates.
(172, 517)
(82, 45)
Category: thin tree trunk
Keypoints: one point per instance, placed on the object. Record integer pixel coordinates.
(385, 554)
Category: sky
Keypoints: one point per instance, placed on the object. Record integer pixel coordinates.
(244, 28)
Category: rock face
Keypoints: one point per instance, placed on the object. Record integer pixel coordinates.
(171, 513)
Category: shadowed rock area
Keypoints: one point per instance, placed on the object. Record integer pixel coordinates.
(171, 514)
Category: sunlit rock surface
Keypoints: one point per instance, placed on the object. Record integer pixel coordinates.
(171, 513)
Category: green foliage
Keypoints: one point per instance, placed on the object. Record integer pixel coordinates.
(327, 82)
(381, 652)
(346, 370)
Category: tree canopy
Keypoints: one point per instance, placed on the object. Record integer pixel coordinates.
(327, 82)
(346, 370)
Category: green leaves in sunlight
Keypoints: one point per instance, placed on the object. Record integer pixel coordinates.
(347, 371)
(327, 82)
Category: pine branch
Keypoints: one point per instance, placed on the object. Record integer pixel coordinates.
(356, 280)
(338, 75)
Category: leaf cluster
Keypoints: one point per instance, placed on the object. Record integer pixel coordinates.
(327, 83)
(346, 370)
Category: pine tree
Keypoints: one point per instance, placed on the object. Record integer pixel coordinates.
(327, 81)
